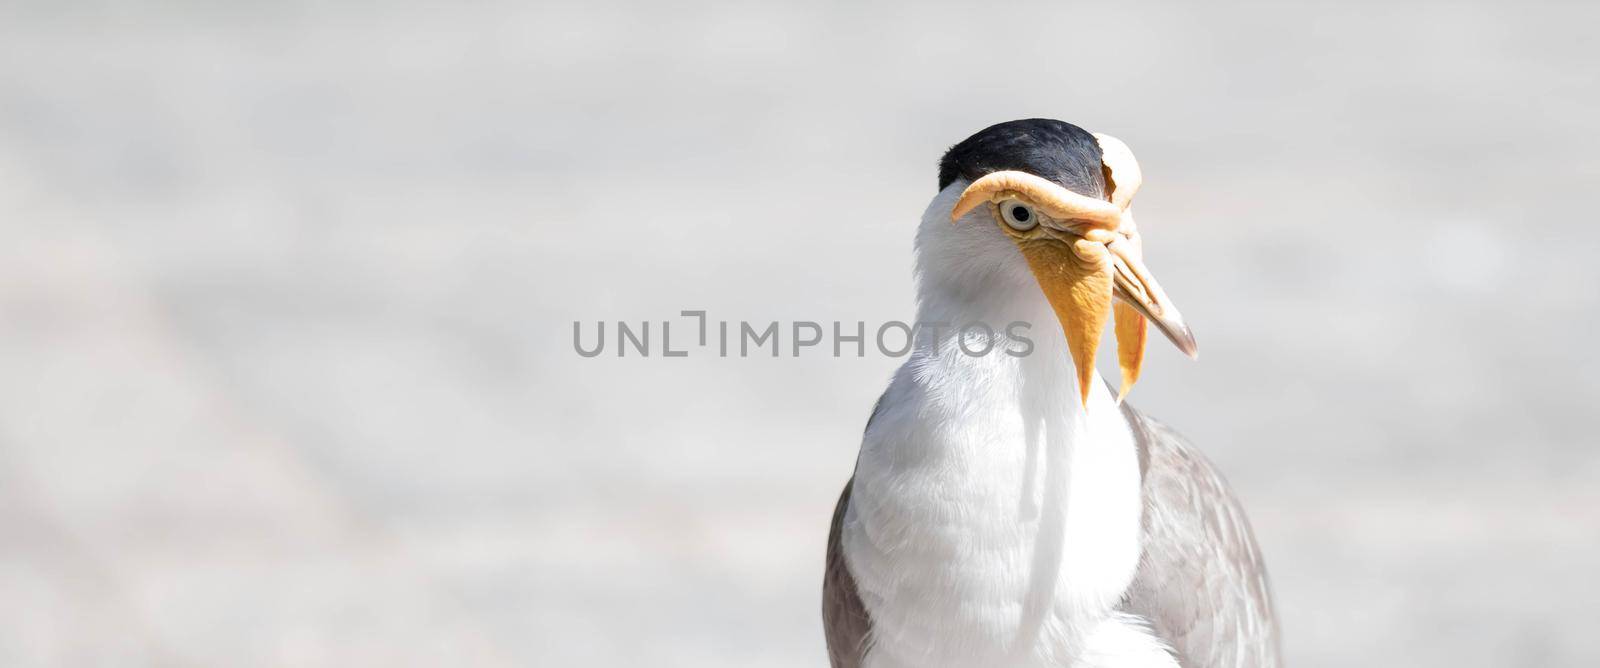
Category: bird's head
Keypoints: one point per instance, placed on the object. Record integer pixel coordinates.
(1049, 204)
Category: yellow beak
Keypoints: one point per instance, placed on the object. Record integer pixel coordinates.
(1141, 299)
(1079, 276)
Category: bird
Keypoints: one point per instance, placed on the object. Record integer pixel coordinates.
(1009, 509)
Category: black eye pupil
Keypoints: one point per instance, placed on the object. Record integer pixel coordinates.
(1021, 214)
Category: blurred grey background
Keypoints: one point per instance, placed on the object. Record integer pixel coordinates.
(287, 293)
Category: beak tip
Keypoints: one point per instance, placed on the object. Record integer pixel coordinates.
(1183, 337)
(1178, 332)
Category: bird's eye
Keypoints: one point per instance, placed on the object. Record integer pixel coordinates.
(1018, 216)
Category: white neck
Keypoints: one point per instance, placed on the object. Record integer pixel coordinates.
(994, 519)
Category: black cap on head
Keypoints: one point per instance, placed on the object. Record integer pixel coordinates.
(1056, 150)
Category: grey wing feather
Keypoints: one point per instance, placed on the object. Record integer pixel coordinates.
(844, 618)
(1201, 584)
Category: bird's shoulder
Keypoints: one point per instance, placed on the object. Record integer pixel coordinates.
(1201, 583)
(844, 618)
